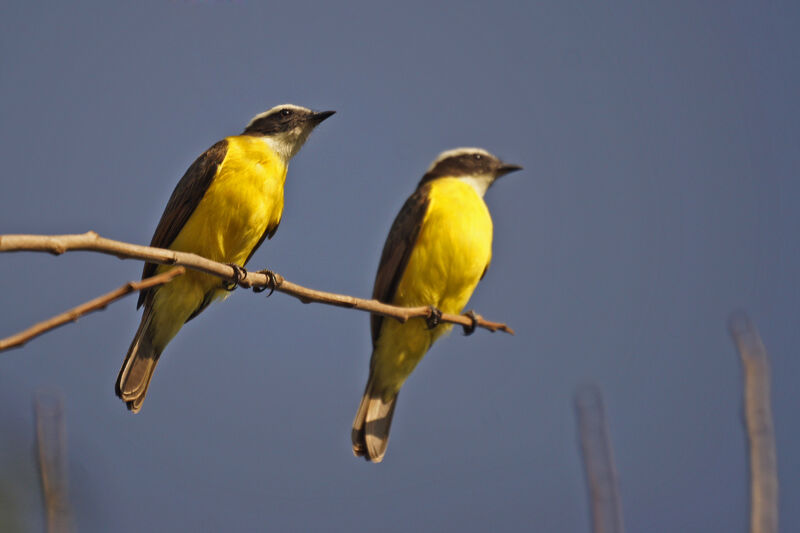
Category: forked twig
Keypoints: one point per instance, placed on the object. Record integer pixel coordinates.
(18, 339)
(91, 241)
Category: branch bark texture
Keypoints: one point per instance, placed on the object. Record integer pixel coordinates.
(51, 448)
(598, 460)
(758, 420)
(96, 304)
(92, 242)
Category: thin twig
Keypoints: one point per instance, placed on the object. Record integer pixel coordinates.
(51, 450)
(598, 460)
(92, 242)
(758, 419)
(96, 304)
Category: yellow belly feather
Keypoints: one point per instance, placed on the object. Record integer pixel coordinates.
(453, 250)
(244, 200)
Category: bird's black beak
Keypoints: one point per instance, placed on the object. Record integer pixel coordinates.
(316, 118)
(507, 169)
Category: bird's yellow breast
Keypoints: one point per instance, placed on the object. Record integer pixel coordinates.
(244, 200)
(452, 251)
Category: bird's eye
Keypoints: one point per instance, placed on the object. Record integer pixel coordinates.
(286, 112)
(477, 157)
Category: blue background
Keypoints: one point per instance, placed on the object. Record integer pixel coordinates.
(660, 145)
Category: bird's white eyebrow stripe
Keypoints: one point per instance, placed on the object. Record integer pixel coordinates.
(455, 152)
(268, 111)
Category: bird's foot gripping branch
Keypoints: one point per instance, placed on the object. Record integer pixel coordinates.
(272, 282)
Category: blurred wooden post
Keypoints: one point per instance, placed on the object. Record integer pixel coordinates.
(52, 457)
(758, 420)
(598, 460)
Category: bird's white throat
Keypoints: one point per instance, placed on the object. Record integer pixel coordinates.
(288, 143)
(480, 182)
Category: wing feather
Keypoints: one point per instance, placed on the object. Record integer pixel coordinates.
(397, 251)
(184, 200)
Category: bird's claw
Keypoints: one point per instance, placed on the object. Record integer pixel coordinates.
(239, 273)
(469, 330)
(434, 318)
(272, 282)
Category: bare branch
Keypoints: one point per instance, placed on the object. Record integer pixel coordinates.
(758, 419)
(598, 460)
(92, 242)
(51, 450)
(96, 304)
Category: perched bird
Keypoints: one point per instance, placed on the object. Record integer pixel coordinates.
(228, 201)
(439, 247)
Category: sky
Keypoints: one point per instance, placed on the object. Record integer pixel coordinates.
(659, 194)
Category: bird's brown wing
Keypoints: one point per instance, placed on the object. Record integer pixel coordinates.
(397, 251)
(184, 200)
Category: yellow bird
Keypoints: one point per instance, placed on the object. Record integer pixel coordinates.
(439, 247)
(228, 201)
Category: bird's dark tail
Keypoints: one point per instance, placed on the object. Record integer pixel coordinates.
(371, 426)
(137, 370)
